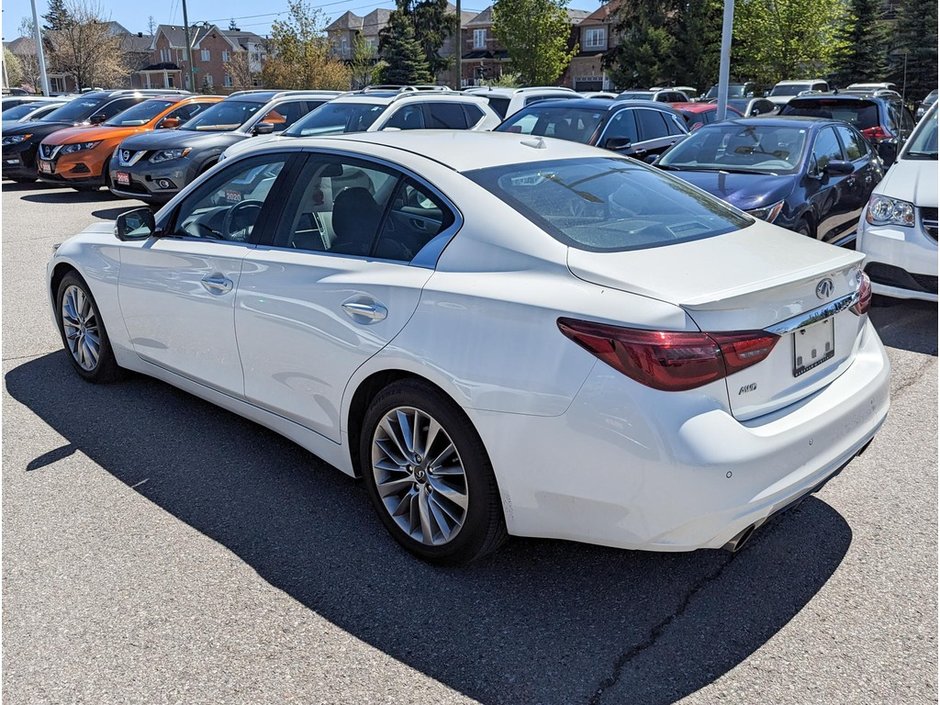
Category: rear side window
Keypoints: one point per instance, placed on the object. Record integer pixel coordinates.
(447, 116)
(473, 113)
(673, 126)
(652, 124)
(609, 204)
(408, 117)
(852, 142)
(499, 105)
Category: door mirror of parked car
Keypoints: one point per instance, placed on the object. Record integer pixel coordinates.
(170, 123)
(617, 143)
(137, 224)
(652, 159)
(97, 119)
(839, 166)
(263, 128)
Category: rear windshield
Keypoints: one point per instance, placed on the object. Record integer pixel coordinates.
(607, 204)
(859, 113)
(77, 110)
(564, 123)
(636, 95)
(223, 117)
(336, 118)
(791, 89)
(140, 114)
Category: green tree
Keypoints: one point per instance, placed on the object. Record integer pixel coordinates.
(781, 39)
(697, 49)
(645, 54)
(362, 62)
(399, 48)
(535, 34)
(299, 53)
(14, 68)
(916, 38)
(433, 25)
(58, 17)
(863, 54)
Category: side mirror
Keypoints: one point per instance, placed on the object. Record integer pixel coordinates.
(263, 128)
(839, 166)
(97, 119)
(652, 159)
(170, 123)
(137, 224)
(617, 143)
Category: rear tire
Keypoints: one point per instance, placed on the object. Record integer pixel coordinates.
(438, 497)
(804, 227)
(83, 332)
(21, 180)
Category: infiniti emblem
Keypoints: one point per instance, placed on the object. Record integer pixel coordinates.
(824, 288)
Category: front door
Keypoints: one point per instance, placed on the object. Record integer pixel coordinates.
(177, 291)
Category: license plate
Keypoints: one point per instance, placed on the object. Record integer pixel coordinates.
(45, 167)
(813, 345)
(122, 178)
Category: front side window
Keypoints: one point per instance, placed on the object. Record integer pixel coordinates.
(652, 125)
(573, 125)
(139, 114)
(335, 118)
(74, 111)
(223, 116)
(228, 205)
(116, 106)
(608, 204)
(285, 115)
(826, 149)
(742, 148)
(622, 126)
(853, 142)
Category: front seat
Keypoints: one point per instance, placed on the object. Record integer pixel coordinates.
(356, 218)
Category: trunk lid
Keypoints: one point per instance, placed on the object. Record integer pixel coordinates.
(757, 278)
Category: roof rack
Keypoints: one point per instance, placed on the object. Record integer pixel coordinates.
(406, 89)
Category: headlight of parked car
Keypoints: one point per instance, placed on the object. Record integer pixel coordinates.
(890, 211)
(15, 139)
(166, 155)
(769, 213)
(79, 147)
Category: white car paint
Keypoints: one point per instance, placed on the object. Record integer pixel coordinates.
(579, 450)
(909, 248)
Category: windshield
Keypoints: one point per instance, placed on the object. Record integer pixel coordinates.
(563, 123)
(140, 114)
(607, 204)
(858, 113)
(923, 143)
(728, 147)
(791, 89)
(335, 118)
(223, 117)
(636, 95)
(21, 110)
(931, 98)
(77, 110)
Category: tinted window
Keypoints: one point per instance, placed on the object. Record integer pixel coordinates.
(408, 117)
(852, 142)
(608, 204)
(652, 125)
(573, 125)
(116, 106)
(227, 206)
(859, 114)
(473, 113)
(20, 110)
(447, 116)
(74, 111)
(222, 117)
(284, 115)
(758, 148)
(923, 143)
(537, 98)
(500, 105)
(140, 114)
(826, 148)
(187, 112)
(622, 126)
(415, 218)
(335, 118)
(673, 126)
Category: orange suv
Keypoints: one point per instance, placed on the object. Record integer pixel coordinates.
(80, 156)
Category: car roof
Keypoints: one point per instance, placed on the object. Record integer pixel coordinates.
(389, 97)
(809, 123)
(819, 97)
(510, 92)
(796, 81)
(600, 104)
(460, 150)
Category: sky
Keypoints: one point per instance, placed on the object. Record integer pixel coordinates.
(249, 14)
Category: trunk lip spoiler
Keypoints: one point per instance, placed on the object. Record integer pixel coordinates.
(808, 318)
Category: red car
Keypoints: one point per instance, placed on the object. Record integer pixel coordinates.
(698, 114)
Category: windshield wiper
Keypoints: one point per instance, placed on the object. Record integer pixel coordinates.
(921, 155)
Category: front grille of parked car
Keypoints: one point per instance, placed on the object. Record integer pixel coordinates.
(889, 275)
(928, 218)
(128, 157)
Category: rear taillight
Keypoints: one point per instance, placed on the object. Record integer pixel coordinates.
(864, 297)
(670, 360)
(876, 133)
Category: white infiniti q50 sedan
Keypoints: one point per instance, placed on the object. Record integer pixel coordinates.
(499, 335)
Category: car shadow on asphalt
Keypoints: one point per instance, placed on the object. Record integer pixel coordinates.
(113, 213)
(539, 622)
(69, 195)
(906, 324)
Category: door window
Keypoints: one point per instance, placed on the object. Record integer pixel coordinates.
(117, 106)
(415, 217)
(473, 113)
(185, 112)
(622, 125)
(409, 117)
(447, 116)
(674, 126)
(227, 206)
(852, 142)
(652, 125)
(826, 149)
(285, 115)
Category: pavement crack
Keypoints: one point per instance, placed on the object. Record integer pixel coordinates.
(657, 631)
(914, 378)
(25, 357)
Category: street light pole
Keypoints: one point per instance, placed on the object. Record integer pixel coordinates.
(724, 68)
(459, 52)
(40, 53)
(189, 49)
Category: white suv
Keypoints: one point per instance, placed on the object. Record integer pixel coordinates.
(403, 108)
(898, 229)
(506, 101)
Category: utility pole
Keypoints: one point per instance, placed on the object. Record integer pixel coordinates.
(40, 53)
(724, 68)
(189, 49)
(459, 51)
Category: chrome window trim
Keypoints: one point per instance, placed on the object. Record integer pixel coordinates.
(808, 318)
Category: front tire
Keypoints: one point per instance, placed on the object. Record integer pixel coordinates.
(428, 475)
(24, 180)
(83, 332)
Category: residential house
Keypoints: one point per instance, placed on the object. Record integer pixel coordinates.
(595, 36)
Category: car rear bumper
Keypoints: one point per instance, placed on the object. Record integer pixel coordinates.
(630, 467)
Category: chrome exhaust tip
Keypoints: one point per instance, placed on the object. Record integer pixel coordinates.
(735, 544)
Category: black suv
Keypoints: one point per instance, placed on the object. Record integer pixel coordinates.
(879, 115)
(154, 166)
(21, 143)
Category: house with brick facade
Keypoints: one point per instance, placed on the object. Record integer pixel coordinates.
(595, 36)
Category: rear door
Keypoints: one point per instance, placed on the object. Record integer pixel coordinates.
(656, 133)
(829, 193)
(865, 172)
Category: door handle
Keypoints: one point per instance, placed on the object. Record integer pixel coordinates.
(365, 312)
(217, 284)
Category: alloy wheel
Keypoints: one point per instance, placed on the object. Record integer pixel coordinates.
(81, 328)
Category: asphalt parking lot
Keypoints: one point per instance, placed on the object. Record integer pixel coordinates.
(157, 549)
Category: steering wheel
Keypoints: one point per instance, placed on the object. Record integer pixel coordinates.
(238, 220)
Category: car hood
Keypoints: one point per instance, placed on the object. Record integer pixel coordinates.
(171, 139)
(744, 191)
(90, 134)
(240, 147)
(22, 128)
(912, 177)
